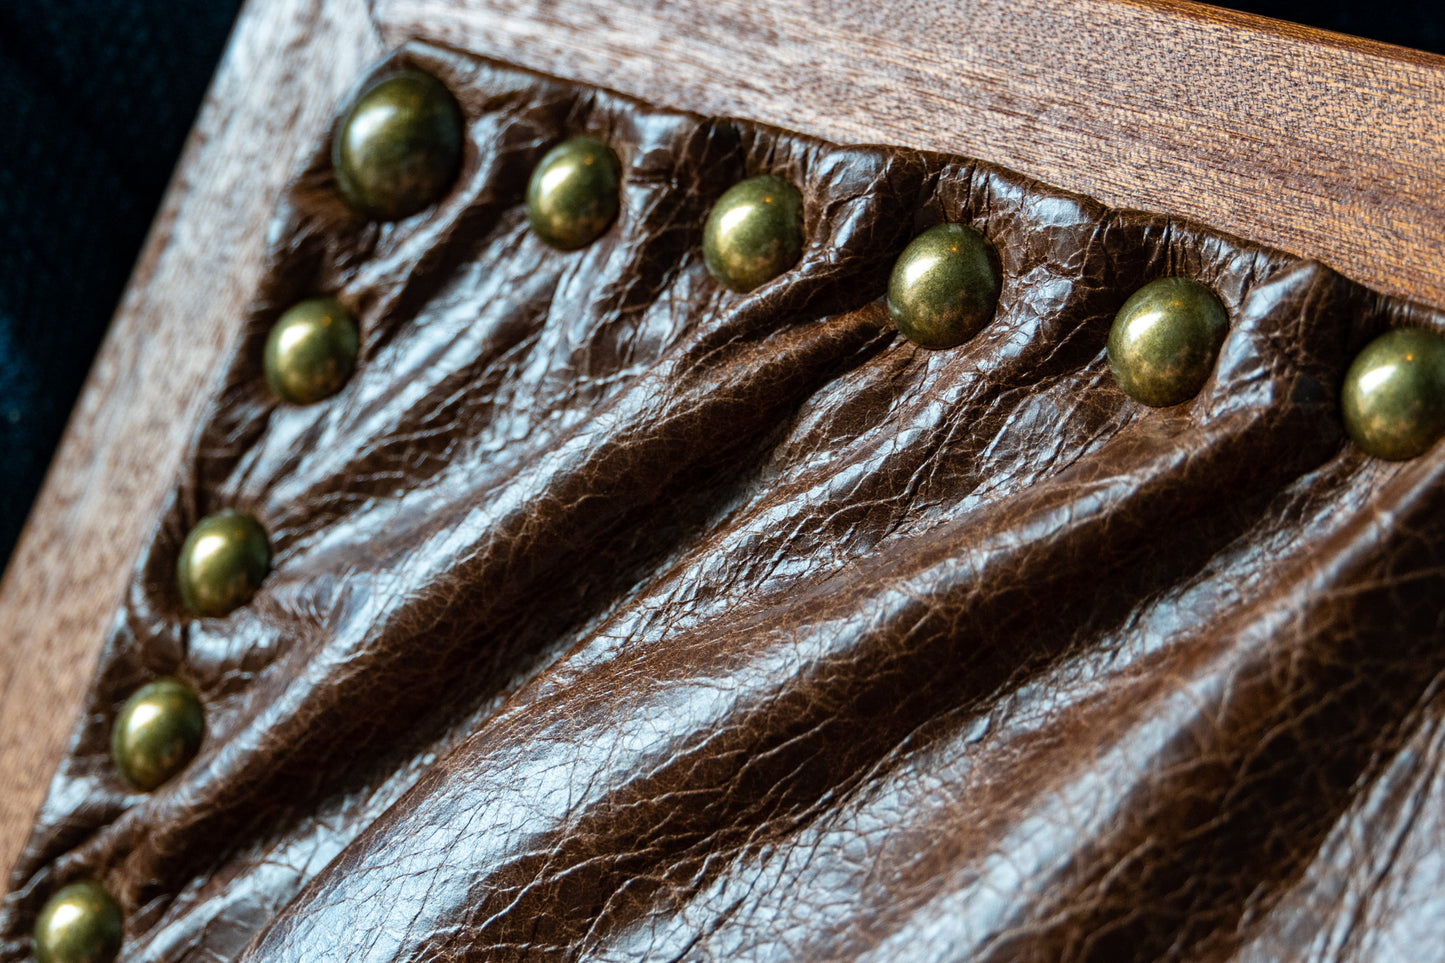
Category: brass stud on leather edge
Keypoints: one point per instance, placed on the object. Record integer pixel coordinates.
(573, 195)
(1165, 340)
(222, 563)
(1393, 400)
(944, 286)
(158, 731)
(754, 233)
(81, 923)
(399, 147)
(311, 351)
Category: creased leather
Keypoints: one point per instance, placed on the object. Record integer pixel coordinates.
(615, 616)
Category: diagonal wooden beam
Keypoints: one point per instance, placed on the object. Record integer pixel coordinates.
(273, 97)
(1319, 144)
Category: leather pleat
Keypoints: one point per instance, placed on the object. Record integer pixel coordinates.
(616, 616)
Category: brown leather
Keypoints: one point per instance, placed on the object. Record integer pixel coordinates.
(615, 616)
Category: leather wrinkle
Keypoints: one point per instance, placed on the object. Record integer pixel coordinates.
(616, 616)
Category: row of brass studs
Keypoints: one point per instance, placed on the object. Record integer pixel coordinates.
(399, 149)
(397, 152)
(1166, 338)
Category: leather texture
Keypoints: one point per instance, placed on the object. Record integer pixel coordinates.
(615, 616)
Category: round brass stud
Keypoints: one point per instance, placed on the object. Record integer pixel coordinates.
(944, 286)
(754, 233)
(81, 923)
(574, 193)
(1394, 395)
(311, 351)
(158, 731)
(222, 563)
(1165, 340)
(399, 147)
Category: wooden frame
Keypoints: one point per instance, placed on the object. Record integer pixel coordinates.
(1321, 145)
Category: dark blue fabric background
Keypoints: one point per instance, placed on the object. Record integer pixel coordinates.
(96, 97)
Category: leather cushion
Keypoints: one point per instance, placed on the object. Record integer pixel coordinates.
(618, 616)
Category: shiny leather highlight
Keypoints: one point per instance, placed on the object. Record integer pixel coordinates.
(615, 616)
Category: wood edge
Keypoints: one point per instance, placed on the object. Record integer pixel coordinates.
(57, 600)
(39, 578)
(1375, 237)
(1290, 31)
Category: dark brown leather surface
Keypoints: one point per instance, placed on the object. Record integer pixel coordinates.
(615, 616)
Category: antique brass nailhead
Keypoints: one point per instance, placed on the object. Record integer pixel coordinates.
(222, 563)
(573, 195)
(157, 732)
(311, 351)
(1393, 400)
(1165, 340)
(945, 286)
(81, 923)
(754, 233)
(399, 147)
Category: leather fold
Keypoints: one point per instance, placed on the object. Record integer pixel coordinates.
(617, 616)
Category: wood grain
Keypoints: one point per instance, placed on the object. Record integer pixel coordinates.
(1319, 144)
(274, 95)
(1324, 146)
